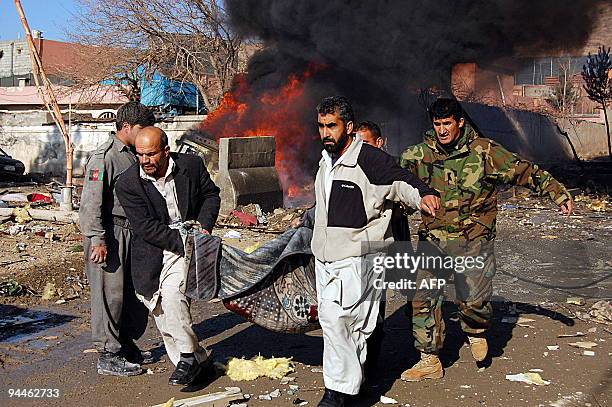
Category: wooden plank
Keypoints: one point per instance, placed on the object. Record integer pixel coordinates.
(218, 399)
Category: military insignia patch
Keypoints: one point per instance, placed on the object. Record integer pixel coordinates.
(96, 174)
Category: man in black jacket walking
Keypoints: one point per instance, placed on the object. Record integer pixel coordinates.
(158, 193)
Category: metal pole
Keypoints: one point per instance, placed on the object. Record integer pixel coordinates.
(46, 94)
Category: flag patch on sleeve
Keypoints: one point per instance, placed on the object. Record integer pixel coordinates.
(96, 174)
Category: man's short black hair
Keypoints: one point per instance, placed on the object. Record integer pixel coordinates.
(339, 105)
(134, 113)
(445, 107)
(373, 127)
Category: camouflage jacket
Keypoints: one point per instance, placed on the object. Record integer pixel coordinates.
(466, 179)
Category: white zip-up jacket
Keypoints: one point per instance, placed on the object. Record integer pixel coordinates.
(353, 201)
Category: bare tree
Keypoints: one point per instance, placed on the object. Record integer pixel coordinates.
(564, 95)
(598, 85)
(185, 40)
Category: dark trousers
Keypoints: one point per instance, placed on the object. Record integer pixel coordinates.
(117, 317)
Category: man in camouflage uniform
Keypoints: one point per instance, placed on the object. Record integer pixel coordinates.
(465, 169)
(117, 317)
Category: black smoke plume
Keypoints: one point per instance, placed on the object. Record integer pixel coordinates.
(378, 51)
(383, 54)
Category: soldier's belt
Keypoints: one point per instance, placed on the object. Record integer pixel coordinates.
(121, 222)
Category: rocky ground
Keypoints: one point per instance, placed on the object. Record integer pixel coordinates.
(544, 261)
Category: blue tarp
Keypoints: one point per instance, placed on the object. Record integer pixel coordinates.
(166, 93)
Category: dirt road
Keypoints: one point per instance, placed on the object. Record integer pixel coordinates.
(530, 284)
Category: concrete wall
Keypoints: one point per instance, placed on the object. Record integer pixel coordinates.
(41, 148)
(589, 139)
(535, 136)
(15, 59)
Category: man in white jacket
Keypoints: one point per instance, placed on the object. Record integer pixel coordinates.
(355, 187)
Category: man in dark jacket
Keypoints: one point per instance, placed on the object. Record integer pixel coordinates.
(117, 317)
(158, 194)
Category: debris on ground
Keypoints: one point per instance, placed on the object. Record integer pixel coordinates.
(269, 396)
(571, 335)
(575, 301)
(221, 398)
(287, 380)
(251, 216)
(594, 203)
(583, 345)
(49, 291)
(251, 369)
(243, 218)
(40, 198)
(388, 400)
(22, 215)
(14, 198)
(601, 312)
(529, 378)
(588, 353)
(11, 288)
(232, 234)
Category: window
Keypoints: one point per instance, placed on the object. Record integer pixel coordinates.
(535, 71)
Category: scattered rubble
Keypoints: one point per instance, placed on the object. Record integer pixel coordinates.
(601, 312)
(252, 217)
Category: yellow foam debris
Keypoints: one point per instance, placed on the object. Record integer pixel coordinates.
(251, 369)
(169, 403)
(22, 215)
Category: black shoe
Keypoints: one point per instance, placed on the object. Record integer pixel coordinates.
(133, 354)
(185, 373)
(114, 364)
(333, 398)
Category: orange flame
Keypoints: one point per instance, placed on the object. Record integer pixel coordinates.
(280, 114)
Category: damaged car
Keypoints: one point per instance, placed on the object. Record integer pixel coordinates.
(10, 167)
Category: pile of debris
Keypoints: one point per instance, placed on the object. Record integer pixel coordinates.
(252, 217)
(40, 202)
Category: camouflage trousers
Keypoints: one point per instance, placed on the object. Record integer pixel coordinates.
(473, 290)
